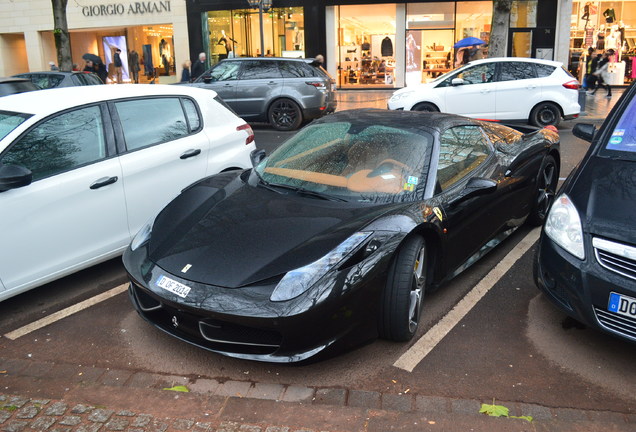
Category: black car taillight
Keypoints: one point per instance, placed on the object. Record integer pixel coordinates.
(250, 133)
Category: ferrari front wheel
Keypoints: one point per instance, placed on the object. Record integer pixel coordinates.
(546, 190)
(403, 294)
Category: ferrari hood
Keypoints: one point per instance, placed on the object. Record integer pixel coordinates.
(239, 234)
(604, 194)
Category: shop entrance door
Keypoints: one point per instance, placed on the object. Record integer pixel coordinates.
(520, 43)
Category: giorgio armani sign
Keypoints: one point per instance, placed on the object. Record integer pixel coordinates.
(135, 8)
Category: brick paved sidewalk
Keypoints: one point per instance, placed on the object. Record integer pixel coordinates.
(46, 397)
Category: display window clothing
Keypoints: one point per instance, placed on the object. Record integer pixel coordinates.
(600, 40)
(610, 15)
(387, 47)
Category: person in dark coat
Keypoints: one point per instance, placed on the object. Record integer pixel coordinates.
(185, 75)
(198, 67)
(133, 65)
(118, 66)
(96, 68)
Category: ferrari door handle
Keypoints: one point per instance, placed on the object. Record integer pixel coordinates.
(191, 153)
(104, 181)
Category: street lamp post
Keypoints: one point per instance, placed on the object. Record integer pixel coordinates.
(262, 5)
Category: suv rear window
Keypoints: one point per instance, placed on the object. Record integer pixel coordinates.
(296, 69)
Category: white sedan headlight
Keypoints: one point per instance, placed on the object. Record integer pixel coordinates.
(296, 282)
(563, 226)
(398, 96)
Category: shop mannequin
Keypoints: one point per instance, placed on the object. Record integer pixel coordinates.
(600, 38)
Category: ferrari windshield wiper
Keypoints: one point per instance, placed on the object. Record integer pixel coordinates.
(311, 193)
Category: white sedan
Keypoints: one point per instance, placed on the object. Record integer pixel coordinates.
(540, 92)
(81, 170)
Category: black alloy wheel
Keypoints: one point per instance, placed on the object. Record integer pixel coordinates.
(403, 295)
(285, 115)
(546, 190)
(425, 106)
(545, 114)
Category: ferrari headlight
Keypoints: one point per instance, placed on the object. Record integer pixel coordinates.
(563, 226)
(296, 282)
(143, 235)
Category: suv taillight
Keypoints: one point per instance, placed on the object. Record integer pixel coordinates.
(318, 84)
(572, 85)
(250, 133)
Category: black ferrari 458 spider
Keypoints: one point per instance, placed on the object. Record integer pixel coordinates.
(333, 240)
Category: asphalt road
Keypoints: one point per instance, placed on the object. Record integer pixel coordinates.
(512, 345)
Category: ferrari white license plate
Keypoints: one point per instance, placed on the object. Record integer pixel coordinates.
(173, 286)
(622, 305)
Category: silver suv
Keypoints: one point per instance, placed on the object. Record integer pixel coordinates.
(282, 91)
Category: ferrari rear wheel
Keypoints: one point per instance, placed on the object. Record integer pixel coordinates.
(404, 292)
(546, 190)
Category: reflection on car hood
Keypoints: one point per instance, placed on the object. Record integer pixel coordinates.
(233, 234)
(604, 194)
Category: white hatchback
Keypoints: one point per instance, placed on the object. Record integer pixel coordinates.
(540, 92)
(82, 169)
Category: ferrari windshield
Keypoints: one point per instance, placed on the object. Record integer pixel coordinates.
(355, 162)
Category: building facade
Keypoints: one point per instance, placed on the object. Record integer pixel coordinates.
(154, 32)
(372, 43)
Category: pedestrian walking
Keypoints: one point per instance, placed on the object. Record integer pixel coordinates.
(602, 73)
(118, 66)
(198, 67)
(589, 79)
(133, 66)
(185, 75)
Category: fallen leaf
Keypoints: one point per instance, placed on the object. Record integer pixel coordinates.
(183, 389)
(494, 410)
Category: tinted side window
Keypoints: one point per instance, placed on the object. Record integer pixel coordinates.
(151, 121)
(260, 70)
(193, 115)
(462, 150)
(292, 69)
(225, 71)
(479, 74)
(61, 143)
(511, 71)
(544, 70)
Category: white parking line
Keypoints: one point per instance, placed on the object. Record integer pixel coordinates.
(411, 358)
(22, 331)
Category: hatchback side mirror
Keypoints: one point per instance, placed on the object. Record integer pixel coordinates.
(14, 176)
(457, 82)
(585, 131)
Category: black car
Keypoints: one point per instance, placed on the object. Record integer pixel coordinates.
(334, 238)
(586, 261)
(11, 85)
(281, 91)
(53, 79)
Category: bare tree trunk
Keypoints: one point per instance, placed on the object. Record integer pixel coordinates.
(498, 44)
(62, 37)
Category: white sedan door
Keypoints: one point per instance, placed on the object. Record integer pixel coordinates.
(165, 151)
(73, 214)
(476, 96)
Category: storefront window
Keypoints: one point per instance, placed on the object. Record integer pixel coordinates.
(429, 41)
(366, 44)
(602, 25)
(236, 33)
(523, 13)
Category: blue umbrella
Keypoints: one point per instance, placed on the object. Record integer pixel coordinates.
(469, 41)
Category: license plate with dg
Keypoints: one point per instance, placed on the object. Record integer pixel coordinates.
(622, 305)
